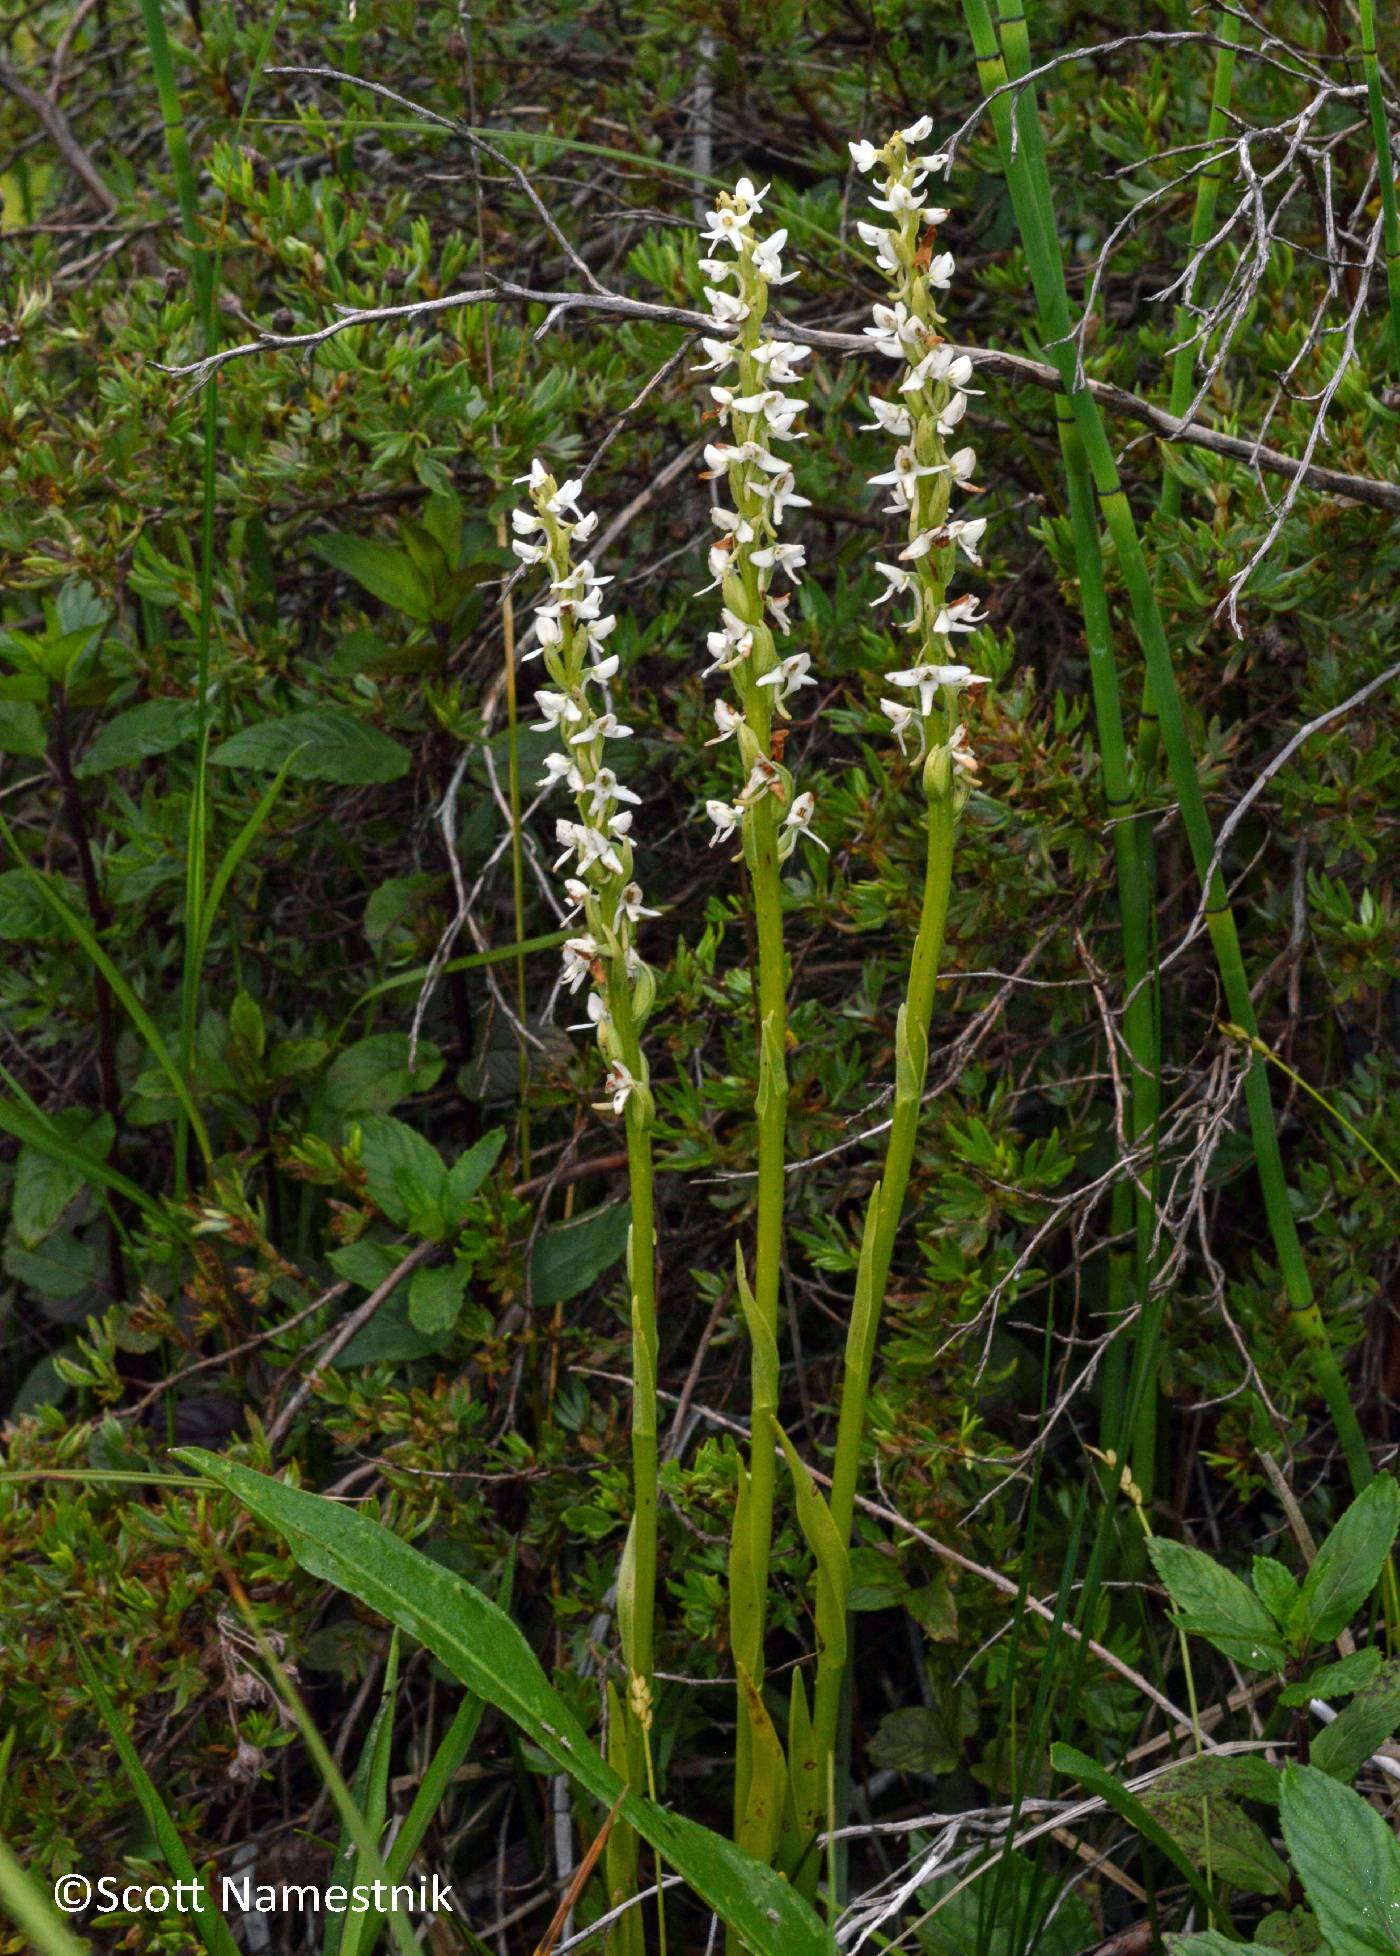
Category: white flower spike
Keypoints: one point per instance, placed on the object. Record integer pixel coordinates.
(930, 402)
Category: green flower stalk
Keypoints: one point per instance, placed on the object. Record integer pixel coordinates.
(924, 411)
(768, 815)
(572, 632)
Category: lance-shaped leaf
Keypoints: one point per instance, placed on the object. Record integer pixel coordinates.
(823, 1538)
(760, 1823)
(1348, 1565)
(1347, 1859)
(480, 1645)
(1212, 1603)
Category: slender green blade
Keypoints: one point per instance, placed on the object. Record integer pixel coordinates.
(480, 1645)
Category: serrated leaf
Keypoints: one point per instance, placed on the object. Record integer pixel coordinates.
(45, 1183)
(155, 727)
(322, 744)
(1343, 1747)
(1276, 1588)
(21, 729)
(1348, 1861)
(387, 573)
(1212, 1603)
(1347, 1567)
(1209, 1942)
(24, 916)
(435, 1298)
(1219, 1837)
(1245, 1774)
(482, 1647)
(1335, 1681)
(467, 1174)
(373, 1075)
(924, 1738)
(569, 1260)
(404, 1173)
(1068, 1759)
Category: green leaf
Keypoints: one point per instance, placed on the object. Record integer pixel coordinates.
(1068, 1759)
(21, 729)
(467, 1174)
(345, 1934)
(1245, 1774)
(1015, 1908)
(1335, 1681)
(923, 1738)
(1276, 1588)
(27, 1905)
(389, 1338)
(25, 918)
(46, 1183)
(1214, 1604)
(153, 728)
(435, 1297)
(823, 1538)
(63, 1268)
(1347, 1567)
(404, 1173)
(1219, 1838)
(212, 1929)
(373, 1075)
(1348, 1861)
(324, 743)
(480, 1645)
(1293, 1931)
(1343, 1747)
(567, 1261)
(385, 572)
(762, 1818)
(1209, 1942)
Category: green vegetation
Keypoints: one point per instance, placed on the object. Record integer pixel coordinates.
(860, 1411)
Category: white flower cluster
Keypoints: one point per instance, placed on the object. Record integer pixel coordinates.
(757, 413)
(927, 409)
(573, 630)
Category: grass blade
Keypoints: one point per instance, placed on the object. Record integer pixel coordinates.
(213, 1930)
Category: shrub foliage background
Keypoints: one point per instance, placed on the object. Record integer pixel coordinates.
(352, 629)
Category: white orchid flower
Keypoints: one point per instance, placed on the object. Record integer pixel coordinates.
(799, 817)
(725, 818)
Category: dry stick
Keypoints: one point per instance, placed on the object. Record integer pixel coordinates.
(56, 127)
(356, 1321)
(1012, 366)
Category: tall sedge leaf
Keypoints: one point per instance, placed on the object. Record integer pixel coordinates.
(209, 1924)
(82, 934)
(480, 1645)
(346, 1934)
(1023, 157)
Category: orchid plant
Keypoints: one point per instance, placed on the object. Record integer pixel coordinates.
(571, 632)
(783, 1792)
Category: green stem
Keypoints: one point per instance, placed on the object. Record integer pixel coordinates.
(641, 1266)
(771, 1109)
(887, 1202)
(1385, 168)
(1027, 180)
